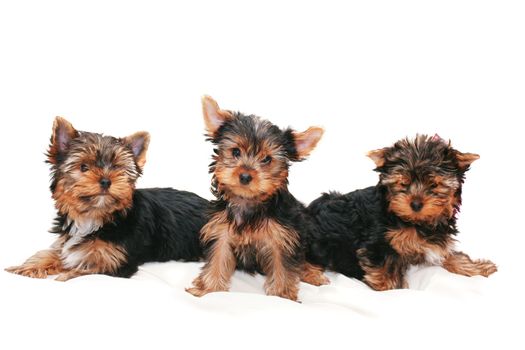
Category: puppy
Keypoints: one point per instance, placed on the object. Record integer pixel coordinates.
(104, 225)
(256, 224)
(409, 217)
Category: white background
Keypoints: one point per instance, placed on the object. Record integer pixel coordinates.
(369, 72)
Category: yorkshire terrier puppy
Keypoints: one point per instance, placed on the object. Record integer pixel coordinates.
(409, 217)
(255, 223)
(104, 225)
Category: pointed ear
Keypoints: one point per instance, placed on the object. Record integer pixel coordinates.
(138, 143)
(465, 159)
(378, 156)
(214, 117)
(306, 141)
(437, 138)
(63, 133)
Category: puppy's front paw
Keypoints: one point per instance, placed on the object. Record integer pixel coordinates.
(286, 294)
(66, 276)
(198, 292)
(314, 275)
(32, 271)
(486, 267)
(316, 280)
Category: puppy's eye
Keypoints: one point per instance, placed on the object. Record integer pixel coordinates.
(84, 168)
(433, 186)
(236, 152)
(267, 160)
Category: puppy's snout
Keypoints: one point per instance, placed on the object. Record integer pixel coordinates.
(416, 205)
(245, 178)
(105, 183)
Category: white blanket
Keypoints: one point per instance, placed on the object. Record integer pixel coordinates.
(152, 310)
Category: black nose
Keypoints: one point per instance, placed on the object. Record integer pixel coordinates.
(105, 183)
(245, 178)
(416, 205)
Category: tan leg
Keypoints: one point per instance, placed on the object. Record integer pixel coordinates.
(461, 264)
(43, 263)
(217, 272)
(281, 280)
(390, 275)
(282, 283)
(313, 274)
(379, 279)
(67, 275)
(93, 256)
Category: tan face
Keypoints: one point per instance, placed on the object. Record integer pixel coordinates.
(252, 155)
(251, 171)
(425, 199)
(423, 177)
(95, 175)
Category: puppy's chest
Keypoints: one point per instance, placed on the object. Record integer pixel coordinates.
(248, 225)
(415, 249)
(248, 245)
(263, 240)
(251, 238)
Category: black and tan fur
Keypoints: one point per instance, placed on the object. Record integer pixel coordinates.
(255, 224)
(105, 225)
(408, 218)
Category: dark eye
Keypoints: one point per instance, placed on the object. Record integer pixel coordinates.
(267, 160)
(433, 186)
(84, 168)
(236, 152)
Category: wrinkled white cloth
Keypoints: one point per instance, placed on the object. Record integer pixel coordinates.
(151, 310)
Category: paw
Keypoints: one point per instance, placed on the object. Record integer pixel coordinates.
(486, 267)
(28, 271)
(286, 293)
(197, 292)
(380, 287)
(314, 275)
(318, 280)
(66, 276)
(381, 282)
(291, 295)
(321, 281)
(63, 277)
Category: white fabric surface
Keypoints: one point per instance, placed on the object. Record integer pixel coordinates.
(152, 310)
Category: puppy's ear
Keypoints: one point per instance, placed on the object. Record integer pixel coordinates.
(138, 143)
(378, 156)
(465, 159)
(437, 138)
(63, 133)
(306, 141)
(214, 117)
